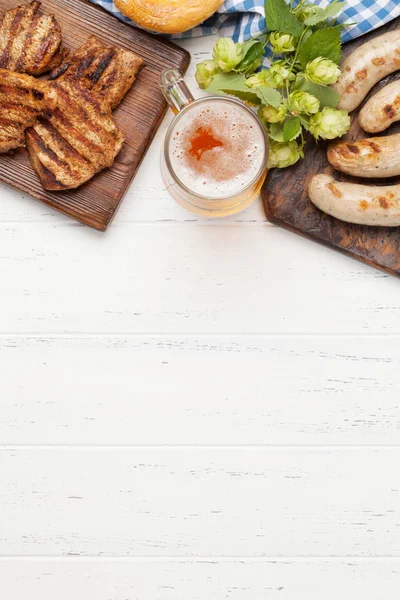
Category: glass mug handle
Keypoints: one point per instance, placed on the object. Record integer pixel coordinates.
(175, 90)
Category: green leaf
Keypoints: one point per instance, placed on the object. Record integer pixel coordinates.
(245, 96)
(233, 84)
(254, 52)
(325, 94)
(251, 42)
(269, 96)
(231, 81)
(307, 34)
(324, 42)
(304, 122)
(279, 17)
(275, 131)
(330, 11)
(291, 129)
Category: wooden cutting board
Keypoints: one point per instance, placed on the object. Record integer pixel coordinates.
(287, 204)
(139, 115)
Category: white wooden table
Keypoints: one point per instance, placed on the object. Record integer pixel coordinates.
(193, 409)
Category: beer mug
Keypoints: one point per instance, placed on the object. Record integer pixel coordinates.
(214, 159)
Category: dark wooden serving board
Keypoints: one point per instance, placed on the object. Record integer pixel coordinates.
(139, 115)
(287, 204)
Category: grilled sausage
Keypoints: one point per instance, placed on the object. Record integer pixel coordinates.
(367, 65)
(382, 109)
(373, 157)
(354, 203)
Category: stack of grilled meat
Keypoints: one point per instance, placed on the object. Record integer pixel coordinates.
(65, 122)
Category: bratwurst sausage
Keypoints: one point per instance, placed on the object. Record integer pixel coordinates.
(367, 65)
(382, 109)
(374, 157)
(354, 203)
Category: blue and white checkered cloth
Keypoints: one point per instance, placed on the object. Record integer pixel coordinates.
(243, 19)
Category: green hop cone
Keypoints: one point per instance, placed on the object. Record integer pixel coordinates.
(329, 124)
(258, 79)
(227, 54)
(278, 74)
(205, 72)
(269, 114)
(282, 42)
(283, 155)
(322, 71)
(303, 103)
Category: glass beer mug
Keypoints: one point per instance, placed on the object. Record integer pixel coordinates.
(215, 154)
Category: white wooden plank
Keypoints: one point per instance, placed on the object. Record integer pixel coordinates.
(199, 390)
(131, 580)
(200, 502)
(146, 201)
(159, 279)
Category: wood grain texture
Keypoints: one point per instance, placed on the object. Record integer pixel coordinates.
(139, 115)
(175, 273)
(288, 579)
(140, 390)
(173, 502)
(185, 279)
(147, 199)
(287, 204)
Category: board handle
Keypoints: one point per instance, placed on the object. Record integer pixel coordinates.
(175, 90)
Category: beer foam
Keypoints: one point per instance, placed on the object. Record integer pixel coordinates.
(233, 156)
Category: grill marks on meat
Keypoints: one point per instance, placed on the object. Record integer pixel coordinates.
(106, 70)
(30, 42)
(22, 99)
(81, 138)
(77, 141)
(67, 123)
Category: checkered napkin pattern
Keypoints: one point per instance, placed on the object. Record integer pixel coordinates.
(243, 19)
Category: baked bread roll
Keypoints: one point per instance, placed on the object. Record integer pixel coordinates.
(168, 16)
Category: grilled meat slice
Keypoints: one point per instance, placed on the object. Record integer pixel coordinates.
(30, 42)
(22, 100)
(76, 142)
(106, 70)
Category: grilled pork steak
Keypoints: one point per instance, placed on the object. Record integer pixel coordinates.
(29, 42)
(22, 100)
(81, 138)
(106, 70)
(77, 141)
